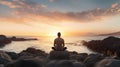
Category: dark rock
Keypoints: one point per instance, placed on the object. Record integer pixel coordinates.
(108, 63)
(51, 63)
(118, 52)
(21, 39)
(79, 57)
(26, 54)
(107, 46)
(28, 62)
(64, 63)
(1, 65)
(60, 63)
(33, 51)
(78, 64)
(82, 56)
(4, 40)
(4, 58)
(92, 59)
(13, 55)
(59, 55)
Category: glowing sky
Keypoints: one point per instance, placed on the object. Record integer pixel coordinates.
(47, 17)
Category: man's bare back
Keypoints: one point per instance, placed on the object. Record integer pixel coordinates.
(59, 43)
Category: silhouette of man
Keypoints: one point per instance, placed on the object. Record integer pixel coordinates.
(59, 44)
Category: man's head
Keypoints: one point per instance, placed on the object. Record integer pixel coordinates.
(58, 34)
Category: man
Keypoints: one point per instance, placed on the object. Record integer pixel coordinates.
(59, 43)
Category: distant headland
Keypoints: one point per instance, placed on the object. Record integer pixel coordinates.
(6, 40)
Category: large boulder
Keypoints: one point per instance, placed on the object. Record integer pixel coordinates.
(78, 64)
(78, 56)
(4, 58)
(26, 62)
(13, 55)
(64, 63)
(58, 55)
(4, 40)
(82, 56)
(1, 65)
(108, 62)
(92, 59)
(34, 51)
(111, 44)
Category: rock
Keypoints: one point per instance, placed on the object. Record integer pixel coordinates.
(13, 55)
(34, 51)
(59, 55)
(107, 46)
(118, 53)
(26, 62)
(22, 39)
(79, 57)
(4, 40)
(92, 59)
(51, 63)
(64, 63)
(26, 54)
(82, 56)
(1, 65)
(29, 57)
(4, 58)
(78, 64)
(108, 63)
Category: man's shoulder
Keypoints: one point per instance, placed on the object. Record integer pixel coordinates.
(59, 38)
(62, 38)
(56, 39)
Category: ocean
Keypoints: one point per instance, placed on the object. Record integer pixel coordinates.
(45, 44)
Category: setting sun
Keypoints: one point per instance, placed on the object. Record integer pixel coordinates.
(54, 33)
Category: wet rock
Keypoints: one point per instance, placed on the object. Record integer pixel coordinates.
(111, 44)
(108, 63)
(13, 55)
(4, 58)
(92, 59)
(78, 64)
(4, 40)
(26, 62)
(34, 51)
(64, 63)
(58, 55)
(79, 57)
(1, 65)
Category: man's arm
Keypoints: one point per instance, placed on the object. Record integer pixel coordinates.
(63, 43)
(54, 43)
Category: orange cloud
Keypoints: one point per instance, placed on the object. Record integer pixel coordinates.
(114, 5)
(32, 11)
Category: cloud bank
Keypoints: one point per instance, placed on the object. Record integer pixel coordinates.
(27, 10)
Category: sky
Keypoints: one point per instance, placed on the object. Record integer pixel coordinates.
(70, 17)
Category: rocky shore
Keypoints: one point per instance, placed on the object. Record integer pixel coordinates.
(4, 40)
(32, 57)
(22, 39)
(107, 46)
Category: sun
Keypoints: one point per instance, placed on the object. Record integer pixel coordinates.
(54, 33)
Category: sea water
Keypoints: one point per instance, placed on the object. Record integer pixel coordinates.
(45, 44)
